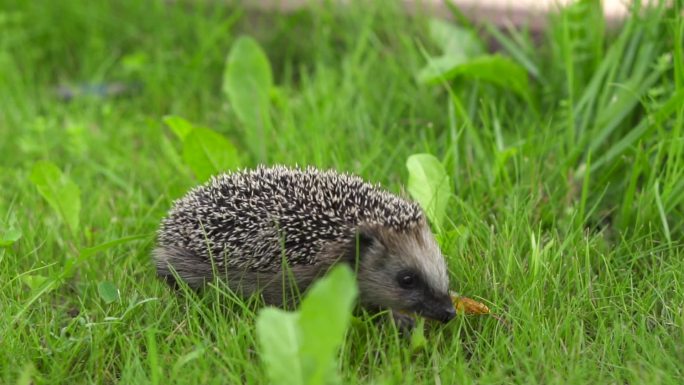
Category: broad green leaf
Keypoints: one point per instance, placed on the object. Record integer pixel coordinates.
(494, 69)
(208, 153)
(9, 236)
(34, 281)
(59, 191)
(325, 316)
(498, 70)
(439, 68)
(279, 343)
(455, 40)
(247, 81)
(179, 126)
(300, 348)
(107, 291)
(429, 184)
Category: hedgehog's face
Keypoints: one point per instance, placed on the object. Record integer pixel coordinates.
(404, 271)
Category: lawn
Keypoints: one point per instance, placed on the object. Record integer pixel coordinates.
(564, 152)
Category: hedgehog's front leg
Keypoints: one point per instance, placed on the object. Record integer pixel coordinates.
(404, 322)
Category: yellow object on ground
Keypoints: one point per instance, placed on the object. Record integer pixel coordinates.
(466, 305)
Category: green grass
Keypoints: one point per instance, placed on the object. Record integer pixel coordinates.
(567, 216)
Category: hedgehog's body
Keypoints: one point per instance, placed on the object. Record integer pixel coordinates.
(257, 227)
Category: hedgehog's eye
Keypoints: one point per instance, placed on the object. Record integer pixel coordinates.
(407, 280)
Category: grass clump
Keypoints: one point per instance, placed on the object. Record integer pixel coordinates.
(565, 206)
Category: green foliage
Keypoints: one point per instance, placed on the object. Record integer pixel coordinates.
(59, 191)
(247, 81)
(418, 340)
(206, 152)
(430, 185)
(108, 292)
(34, 281)
(495, 69)
(9, 234)
(279, 338)
(324, 317)
(462, 56)
(87, 252)
(565, 215)
(179, 126)
(455, 41)
(27, 372)
(300, 347)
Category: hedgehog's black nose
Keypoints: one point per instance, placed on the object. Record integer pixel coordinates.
(449, 313)
(441, 309)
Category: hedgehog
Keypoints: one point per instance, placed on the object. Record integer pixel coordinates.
(272, 231)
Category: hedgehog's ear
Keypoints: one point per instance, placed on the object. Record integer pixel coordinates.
(365, 239)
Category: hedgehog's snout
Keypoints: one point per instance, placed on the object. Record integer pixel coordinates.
(439, 309)
(449, 312)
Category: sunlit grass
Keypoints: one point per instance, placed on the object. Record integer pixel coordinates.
(566, 219)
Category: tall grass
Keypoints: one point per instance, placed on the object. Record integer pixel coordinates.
(567, 215)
